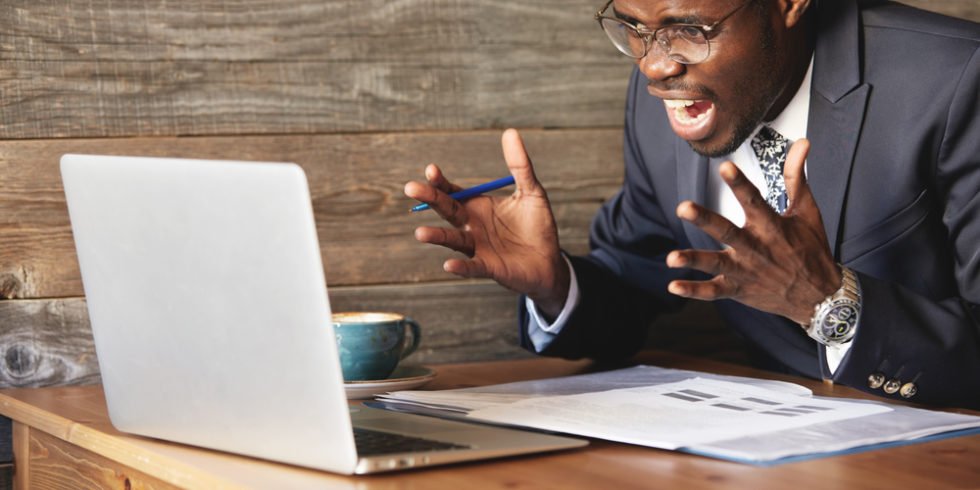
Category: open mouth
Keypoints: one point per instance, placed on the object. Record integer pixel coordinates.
(692, 120)
(689, 111)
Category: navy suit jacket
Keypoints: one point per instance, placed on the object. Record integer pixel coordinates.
(894, 165)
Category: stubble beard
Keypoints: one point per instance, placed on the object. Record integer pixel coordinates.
(756, 112)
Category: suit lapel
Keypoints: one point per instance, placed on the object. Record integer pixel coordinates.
(834, 136)
(837, 105)
(692, 185)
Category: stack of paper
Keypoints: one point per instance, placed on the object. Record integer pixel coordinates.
(742, 419)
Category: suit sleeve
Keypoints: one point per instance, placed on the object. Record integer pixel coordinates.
(933, 342)
(623, 280)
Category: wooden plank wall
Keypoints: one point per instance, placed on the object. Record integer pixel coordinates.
(362, 94)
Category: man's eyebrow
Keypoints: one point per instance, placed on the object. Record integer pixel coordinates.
(686, 19)
(672, 20)
(621, 16)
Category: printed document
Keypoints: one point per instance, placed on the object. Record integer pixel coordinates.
(673, 415)
(737, 418)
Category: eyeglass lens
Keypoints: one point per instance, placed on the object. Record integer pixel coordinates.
(683, 44)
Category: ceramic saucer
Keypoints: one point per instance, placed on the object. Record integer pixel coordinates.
(404, 378)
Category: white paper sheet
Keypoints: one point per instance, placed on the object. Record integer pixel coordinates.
(673, 415)
(465, 400)
(582, 405)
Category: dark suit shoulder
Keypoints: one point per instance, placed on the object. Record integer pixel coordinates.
(891, 15)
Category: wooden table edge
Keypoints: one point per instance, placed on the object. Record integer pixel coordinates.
(121, 450)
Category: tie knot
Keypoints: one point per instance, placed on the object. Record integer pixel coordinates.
(769, 145)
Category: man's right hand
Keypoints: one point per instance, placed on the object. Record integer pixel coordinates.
(512, 240)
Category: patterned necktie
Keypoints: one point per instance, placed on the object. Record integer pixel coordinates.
(771, 147)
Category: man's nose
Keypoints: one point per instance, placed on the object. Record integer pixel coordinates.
(656, 65)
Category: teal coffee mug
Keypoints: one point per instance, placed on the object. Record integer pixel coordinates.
(372, 343)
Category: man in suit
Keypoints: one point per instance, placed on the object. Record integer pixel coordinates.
(854, 256)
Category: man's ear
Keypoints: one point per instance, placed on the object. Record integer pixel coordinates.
(793, 10)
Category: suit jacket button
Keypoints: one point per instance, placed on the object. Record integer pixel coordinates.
(908, 390)
(892, 386)
(876, 380)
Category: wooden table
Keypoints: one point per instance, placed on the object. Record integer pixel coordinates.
(63, 439)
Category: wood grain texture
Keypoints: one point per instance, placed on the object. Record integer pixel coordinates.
(356, 185)
(56, 464)
(22, 451)
(461, 321)
(78, 415)
(101, 68)
(49, 342)
(205, 67)
(45, 343)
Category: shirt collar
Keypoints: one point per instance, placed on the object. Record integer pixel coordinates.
(791, 123)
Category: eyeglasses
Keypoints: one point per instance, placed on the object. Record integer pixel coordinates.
(683, 43)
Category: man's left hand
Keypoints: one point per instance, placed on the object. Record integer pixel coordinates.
(780, 264)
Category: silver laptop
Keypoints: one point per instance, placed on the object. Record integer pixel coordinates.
(209, 310)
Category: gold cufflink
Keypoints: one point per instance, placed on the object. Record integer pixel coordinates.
(875, 380)
(908, 390)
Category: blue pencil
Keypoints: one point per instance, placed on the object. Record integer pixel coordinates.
(473, 191)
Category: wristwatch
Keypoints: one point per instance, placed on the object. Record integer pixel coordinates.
(835, 319)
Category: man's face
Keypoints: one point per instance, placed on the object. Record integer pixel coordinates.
(716, 104)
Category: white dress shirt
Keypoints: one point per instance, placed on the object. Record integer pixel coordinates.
(791, 123)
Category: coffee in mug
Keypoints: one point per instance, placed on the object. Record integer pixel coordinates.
(372, 343)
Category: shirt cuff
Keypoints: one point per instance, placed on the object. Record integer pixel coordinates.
(539, 330)
(835, 355)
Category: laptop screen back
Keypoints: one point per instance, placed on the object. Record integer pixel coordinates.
(208, 305)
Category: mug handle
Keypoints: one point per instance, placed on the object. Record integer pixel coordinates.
(416, 337)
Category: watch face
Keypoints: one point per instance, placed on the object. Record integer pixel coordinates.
(839, 321)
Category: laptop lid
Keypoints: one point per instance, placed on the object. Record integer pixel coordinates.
(210, 316)
(208, 305)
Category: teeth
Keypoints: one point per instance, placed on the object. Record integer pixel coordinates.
(684, 118)
(679, 107)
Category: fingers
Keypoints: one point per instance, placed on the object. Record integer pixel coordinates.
(745, 191)
(436, 179)
(519, 163)
(453, 239)
(440, 202)
(794, 174)
(456, 240)
(714, 263)
(712, 223)
(711, 262)
(436, 195)
(718, 287)
(468, 268)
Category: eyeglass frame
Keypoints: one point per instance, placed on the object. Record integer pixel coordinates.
(648, 36)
